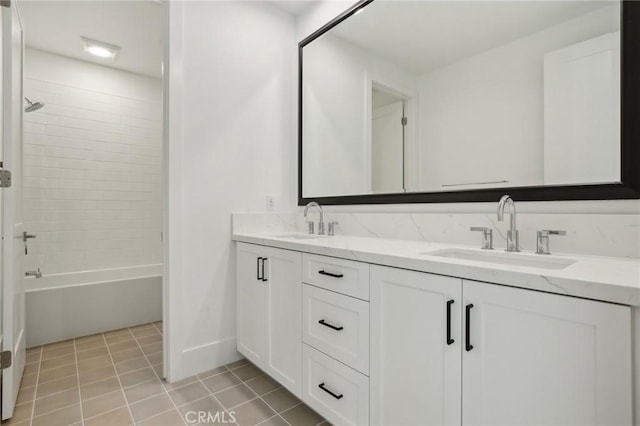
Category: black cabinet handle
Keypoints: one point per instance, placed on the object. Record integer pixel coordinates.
(258, 269)
(336, 396)
(329, 274)
(264, 259)
(468, 345)
(326, 324)
(449, 339)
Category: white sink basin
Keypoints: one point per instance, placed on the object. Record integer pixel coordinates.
(299, 236)
(504, 258)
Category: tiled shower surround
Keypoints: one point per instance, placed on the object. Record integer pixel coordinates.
(114, 378)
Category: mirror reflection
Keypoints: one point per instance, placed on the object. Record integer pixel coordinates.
(424, 96)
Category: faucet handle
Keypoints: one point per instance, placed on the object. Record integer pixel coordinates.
(310, 226)
(332, 227)
(542, 246)
(487, 236)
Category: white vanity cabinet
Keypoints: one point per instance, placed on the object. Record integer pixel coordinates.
(269, 311)
(495, 355)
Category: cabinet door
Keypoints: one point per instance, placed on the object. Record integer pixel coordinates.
(283, 273)
(544, 359)
(250, 292)
(415, 369)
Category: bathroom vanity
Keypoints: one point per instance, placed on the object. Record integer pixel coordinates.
(381, 331)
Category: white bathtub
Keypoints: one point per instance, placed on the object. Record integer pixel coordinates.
(62, 306)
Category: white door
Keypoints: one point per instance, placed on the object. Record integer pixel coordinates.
(251, 290)
(543, 359)
(13, 248)
(415, 352)
(283, 273)
(387, 148)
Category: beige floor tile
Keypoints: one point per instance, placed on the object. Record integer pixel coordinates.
(275, 421)
(64, 350)
(123, 346)
(63, 417)
(248, 371)
(89, 338)
(99, 388)
(103, 404)
(252, 413)
(158, 370)
(220, 382)
(155, 358)
(57, 345)
(117, 417)
(57, 373)
(90, 376)
(55, 386)
(119, 338)
(281, 399)
(90, 344)
(26, 395)
(117, 332)
(138, 376)
(21, 413)
(125, 355)
(33, 357)
(206, 405)
(92, 353)
(262, 384)
(154, 338)
(213, 372)
(93, 363)
(150, 407)
(151, 331)
(29, 380)
(237, 364)
(34, 349)
(179, 383)
(301, 415)
(235, 395)
(131, 365)
(31, 369)
(58, 362)
(168, 418)
(56, 401)
(143, 390)
(152, 348)
(188, 393)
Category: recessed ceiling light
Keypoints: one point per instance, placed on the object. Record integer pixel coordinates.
(100, 49)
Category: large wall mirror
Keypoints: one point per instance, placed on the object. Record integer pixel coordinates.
(454, 101)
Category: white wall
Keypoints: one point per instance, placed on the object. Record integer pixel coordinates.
(232, 73)
(92, 160)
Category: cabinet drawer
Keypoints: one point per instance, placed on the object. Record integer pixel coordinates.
(336, 325)
(339, 275)
(339, 393)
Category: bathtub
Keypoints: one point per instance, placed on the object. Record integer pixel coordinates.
(62, 306)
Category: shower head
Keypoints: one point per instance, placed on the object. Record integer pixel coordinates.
(33, 106)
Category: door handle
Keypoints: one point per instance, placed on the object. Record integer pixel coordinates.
(258, 269)
(468, 345)
(335, 395)
(26, 236)
(449, 339)
(329, 274)
(264, 259)
(326, 324)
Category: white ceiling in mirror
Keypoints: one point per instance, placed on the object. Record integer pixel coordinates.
(136, 26)
(294, 7)
(447, 31)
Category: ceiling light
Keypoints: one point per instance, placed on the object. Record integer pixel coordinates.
(100, 49)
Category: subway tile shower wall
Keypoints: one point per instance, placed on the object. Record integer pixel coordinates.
(92, 171)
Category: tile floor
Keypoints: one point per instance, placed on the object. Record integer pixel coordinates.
(113, 378)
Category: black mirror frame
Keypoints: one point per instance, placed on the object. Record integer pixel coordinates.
(628, 188)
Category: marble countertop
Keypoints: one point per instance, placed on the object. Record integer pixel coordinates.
(608, 279)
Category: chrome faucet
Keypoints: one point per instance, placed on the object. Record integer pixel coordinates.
(512, 233)
(321, 223)
(36, 274)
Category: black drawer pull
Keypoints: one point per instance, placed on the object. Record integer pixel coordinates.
(258, 269)
(263, 277)
(321, 386)
(326, 324)
(329, 274)
(449, 339)
(468, 345)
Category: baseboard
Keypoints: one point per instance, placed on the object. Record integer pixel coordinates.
(207, 357)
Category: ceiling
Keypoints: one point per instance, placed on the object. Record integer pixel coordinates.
(136, 26)
(420, 36)
(294, 7)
